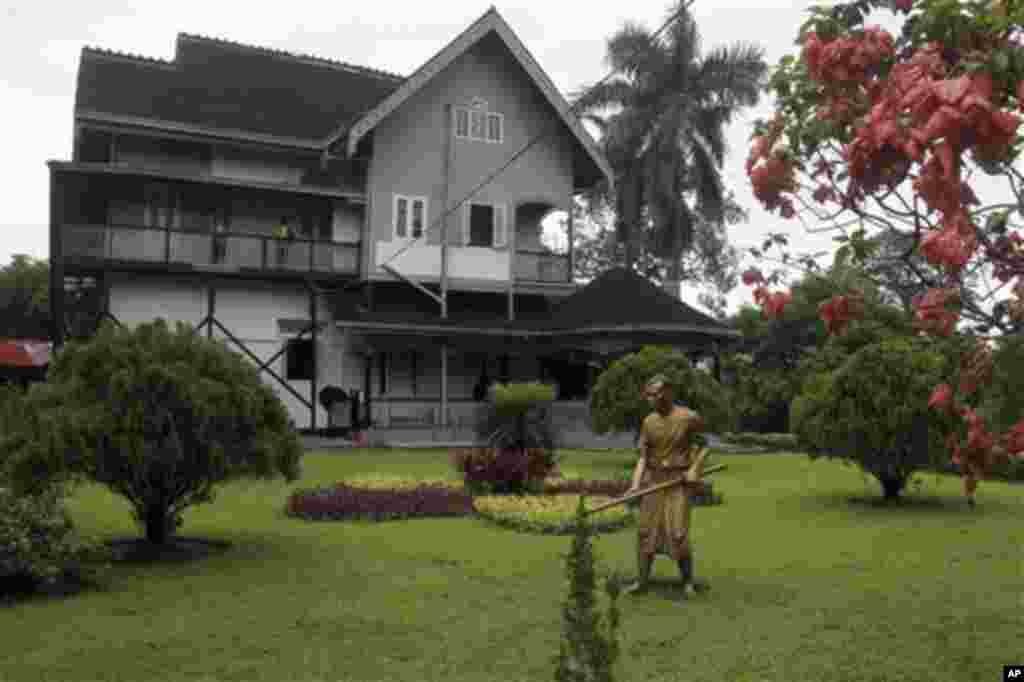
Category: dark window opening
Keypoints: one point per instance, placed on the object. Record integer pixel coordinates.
(299, 360)
(481, 225)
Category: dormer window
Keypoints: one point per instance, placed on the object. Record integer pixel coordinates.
(476, 122)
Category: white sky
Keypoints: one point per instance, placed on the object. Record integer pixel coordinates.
(40, 43)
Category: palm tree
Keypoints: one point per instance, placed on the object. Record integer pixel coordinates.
(665, 139)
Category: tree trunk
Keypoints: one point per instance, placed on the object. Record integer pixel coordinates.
(891, 486)
(158, 527)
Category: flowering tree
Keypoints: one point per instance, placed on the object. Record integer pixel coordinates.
(893, 132)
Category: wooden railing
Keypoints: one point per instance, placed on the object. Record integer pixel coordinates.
(541, 266)
(227, 249)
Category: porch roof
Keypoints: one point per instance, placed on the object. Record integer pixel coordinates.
(619, 303)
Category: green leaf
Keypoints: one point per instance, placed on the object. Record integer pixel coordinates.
(842, 256)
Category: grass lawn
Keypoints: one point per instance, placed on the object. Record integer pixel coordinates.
(807, 585)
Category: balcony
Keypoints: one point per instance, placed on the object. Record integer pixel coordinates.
(225, 251)
(541, 266)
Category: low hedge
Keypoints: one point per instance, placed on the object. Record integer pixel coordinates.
(770, 441)
(550, 514)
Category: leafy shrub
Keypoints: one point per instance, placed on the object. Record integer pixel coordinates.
(386, 482)
(618, 404)
(549, 514)
(503, 471)
(158, 416)
(347, 502)
(761, 395)
(579, 486)
(519, 417)
(873, 411)
(770, 441)
(588, 648)
(39, 545)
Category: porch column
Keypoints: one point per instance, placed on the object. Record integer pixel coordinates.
(443, 418)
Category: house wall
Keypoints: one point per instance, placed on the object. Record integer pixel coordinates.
(251, 312)
(409, 158)
(260, 167)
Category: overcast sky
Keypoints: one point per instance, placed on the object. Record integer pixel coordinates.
(40, 44)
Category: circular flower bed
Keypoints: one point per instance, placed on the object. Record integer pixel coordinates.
(549, 514)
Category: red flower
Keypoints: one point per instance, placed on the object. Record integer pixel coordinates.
(941, 397)
(903, 5)
(1014, 440)
(752, 276)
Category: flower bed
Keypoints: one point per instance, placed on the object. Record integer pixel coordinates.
(365, 502)
(549, 514)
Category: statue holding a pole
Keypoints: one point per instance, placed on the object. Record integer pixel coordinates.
(671, 463)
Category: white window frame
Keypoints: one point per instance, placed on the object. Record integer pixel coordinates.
(499, 228)
(455, 122)
(410, 202)
(478, 107)
(501, 127)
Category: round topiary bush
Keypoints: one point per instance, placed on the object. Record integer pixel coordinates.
(873, 411)
(549, 514)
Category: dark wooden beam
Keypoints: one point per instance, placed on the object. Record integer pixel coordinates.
(56, 260)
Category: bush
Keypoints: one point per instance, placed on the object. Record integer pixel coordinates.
(39, 546)
(158, 416)
(588, 648)
(503, 471)
(349, 502)
(549, 514)
(770, 441)
(873, 410)
(618, 404)
(761, 395)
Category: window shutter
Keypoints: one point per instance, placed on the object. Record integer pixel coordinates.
(419, 210)
(401, 216)
(499, 226)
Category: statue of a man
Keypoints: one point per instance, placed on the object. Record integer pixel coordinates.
(667, 450)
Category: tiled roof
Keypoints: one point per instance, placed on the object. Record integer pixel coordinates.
(621, 297)
(617, 298)
(220, 84)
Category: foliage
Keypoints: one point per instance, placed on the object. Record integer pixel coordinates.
(549, 514)
(587, 651)
(400, 483)
(158, 416)
(894, 132)
(761, 396)
(873, 410)
(39, 545)
(665, 141)
(503, 471)
(617, 402)
(356, 502)
(1003, 400)
(25, 297)
(775, 442)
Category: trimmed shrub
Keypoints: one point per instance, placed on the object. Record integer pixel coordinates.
(549, 514)
(39, 546)
(503, 471)
(761, 395)
(873, 411)
(618, 404)
(770, 441)
(348, 502)
(158, 416)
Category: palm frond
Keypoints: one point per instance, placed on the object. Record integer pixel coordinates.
(632, 50)
(733, 74)
(614, 92)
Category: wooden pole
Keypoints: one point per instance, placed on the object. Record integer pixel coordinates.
(652, 489)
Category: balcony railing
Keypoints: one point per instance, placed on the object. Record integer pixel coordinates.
(227, 249)
(541, 266)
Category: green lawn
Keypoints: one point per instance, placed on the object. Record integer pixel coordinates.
(807, 585)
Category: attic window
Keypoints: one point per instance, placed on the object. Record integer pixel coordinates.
(475, 122)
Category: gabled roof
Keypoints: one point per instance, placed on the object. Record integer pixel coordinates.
(620, 298)
(490, 22)
(221, 86)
